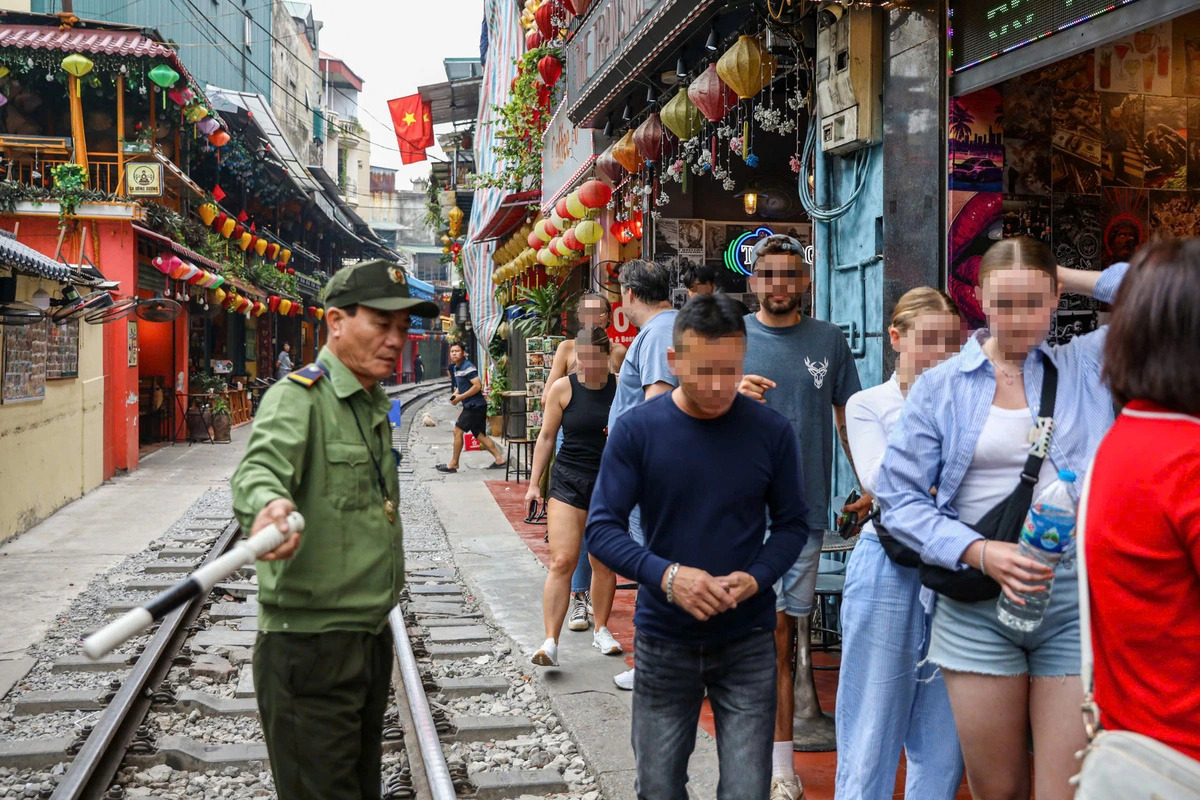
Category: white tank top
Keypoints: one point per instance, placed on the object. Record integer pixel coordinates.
(996, 465)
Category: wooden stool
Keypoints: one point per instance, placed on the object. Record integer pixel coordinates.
(523, 465)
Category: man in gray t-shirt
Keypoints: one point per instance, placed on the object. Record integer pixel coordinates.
(803, 368)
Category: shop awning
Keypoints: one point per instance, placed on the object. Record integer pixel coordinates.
(509, 216)
(570, 184)
(23, 258)
(453, 101)
(175, 247)
(331, 203)
(259, 109)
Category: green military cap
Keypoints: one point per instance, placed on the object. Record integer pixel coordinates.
(377, 284)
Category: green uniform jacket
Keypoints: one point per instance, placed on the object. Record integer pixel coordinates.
(306, 447)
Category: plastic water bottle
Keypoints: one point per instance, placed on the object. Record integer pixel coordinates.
(1048, 530)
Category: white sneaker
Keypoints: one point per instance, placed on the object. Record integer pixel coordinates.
(548, 655)
(786, 788)
(578, 618)
(603, 641)
(624, 680)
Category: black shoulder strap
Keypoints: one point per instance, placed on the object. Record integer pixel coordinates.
(1041, 447)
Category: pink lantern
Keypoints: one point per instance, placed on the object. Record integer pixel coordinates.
(167, 263)
(607, 168)
(207, 125)
(650, 136)
(711, 95)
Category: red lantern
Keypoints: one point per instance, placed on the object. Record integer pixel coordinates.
(649, 138)
(238, 230)
(533, 39)
(273, 303)
(561, 209)
(312, 311)
(551, 69)
(533, 241)
(253, 242)
(607, 168)
(577, 7)
(279, 265)
(291, 270)
(622, 232)
(219, 220)
(551, 228)
(219, 138)
(711, 95)
(635, 225)
(272, 251)
(545, 24)
(571, 241)
(595, 194)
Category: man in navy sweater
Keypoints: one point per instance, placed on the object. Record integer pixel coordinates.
(705, 465)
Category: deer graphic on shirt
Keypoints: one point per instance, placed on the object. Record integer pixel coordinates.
(818, 371)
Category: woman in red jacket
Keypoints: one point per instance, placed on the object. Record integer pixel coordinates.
(1143, 515)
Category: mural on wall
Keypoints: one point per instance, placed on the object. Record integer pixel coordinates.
(1097, 154)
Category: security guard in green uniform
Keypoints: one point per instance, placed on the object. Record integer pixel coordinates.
(321, 444)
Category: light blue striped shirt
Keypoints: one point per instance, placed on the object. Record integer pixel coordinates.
(934, 441)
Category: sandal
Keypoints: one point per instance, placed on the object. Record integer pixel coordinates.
(501, 465)
(444, 468)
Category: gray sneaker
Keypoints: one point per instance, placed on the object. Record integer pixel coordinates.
(578, 616)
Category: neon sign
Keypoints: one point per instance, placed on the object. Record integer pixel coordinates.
(737, 254)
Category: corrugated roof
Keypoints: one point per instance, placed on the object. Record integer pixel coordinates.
(509, 216)
(231, 101)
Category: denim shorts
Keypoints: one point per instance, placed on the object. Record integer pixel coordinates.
(794, 591)
(969, 637)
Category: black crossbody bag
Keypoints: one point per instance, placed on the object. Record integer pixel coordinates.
(1003, 523)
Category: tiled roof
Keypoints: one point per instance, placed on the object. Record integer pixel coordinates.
(89, 40)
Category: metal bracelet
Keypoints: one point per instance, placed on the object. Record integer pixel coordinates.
(982, 553)
(671, 582)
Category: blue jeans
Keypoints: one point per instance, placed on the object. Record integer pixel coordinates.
(581, 581)
(672, 680)
(889, 697)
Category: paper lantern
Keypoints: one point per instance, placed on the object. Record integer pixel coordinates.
(711, 95)
(197, 278)
(635, 224)
(533, 39)
(77, 64)
(571, 241)
(649, 138)
(589, 231)
(312, 311)
(259, 309)
(3, 100)
(3, 70)
(556, 246)
(219, 138)
(219, 221)
(291, 270)
(542, 232)
(280, 266)
(320, 314)
(207, 213)
(550, 69)
(621, 231)
(533, 240)
(272, 251)
(285, 255)
(273, 303)
(558, 223)
(164, 76)
(578, 7)
(167, 263)
(178, 273)
(182, 96)
(219, 295)
(260, 247)
(244, 242)
(285, 307)
(238, 230)
(194, 114)
(575, 206)
(208, 125)
(228, 227)
(545, 24)
(681, 116)
(595, 194)
(740, 67)
(626, 153)
(189, 271)
(544, 257)
(220, 281)
(607, 168)
(560, 208)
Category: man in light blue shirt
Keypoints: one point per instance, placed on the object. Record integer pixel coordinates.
(645, 373)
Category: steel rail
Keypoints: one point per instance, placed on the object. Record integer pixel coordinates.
(94, 768)
(437, 772)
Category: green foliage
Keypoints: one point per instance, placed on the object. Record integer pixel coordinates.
(495, 397)
(543, 308)
(221, 406)
(206, 381)
(522, 121)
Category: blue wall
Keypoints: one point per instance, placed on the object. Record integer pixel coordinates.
(203, 31)
(849, 280)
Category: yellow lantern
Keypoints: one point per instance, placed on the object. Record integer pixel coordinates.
(320, 313)
(261, 308)
(741, 67)
(285, 256)
(260, 246)
(207, 212)
(589, 231)
(3, 70)
(227, 227)
(540, 230)
(219, 295)
(77, 64)
(455, 216)
(285, 306)
(244, 244)
(575, 206)
(681, 116)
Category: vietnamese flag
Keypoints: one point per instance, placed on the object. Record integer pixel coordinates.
(413, 121)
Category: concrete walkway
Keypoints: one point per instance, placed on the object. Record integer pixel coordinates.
(508, 578)
(45, 568)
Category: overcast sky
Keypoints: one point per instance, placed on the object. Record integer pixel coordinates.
(396, 47)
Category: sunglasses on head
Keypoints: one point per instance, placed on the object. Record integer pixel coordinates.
(788, 244)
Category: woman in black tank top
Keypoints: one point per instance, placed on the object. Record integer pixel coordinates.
(579, 403)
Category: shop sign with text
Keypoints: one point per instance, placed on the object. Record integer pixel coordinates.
(566, 149)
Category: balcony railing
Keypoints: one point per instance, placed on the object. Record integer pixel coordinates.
(104, 173)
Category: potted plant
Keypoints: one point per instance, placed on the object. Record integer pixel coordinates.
(495, 401)
(222, 419)
(542, 309)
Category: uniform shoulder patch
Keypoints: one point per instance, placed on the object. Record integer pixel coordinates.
(308, 375)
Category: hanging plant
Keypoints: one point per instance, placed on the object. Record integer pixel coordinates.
(69, 185)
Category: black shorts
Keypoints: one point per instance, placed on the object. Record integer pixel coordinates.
(572, 486)
(472, 420)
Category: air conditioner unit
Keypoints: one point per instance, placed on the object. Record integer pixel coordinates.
(849, 77)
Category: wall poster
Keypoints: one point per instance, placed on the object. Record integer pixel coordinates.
(62, 350)
(24, 363)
